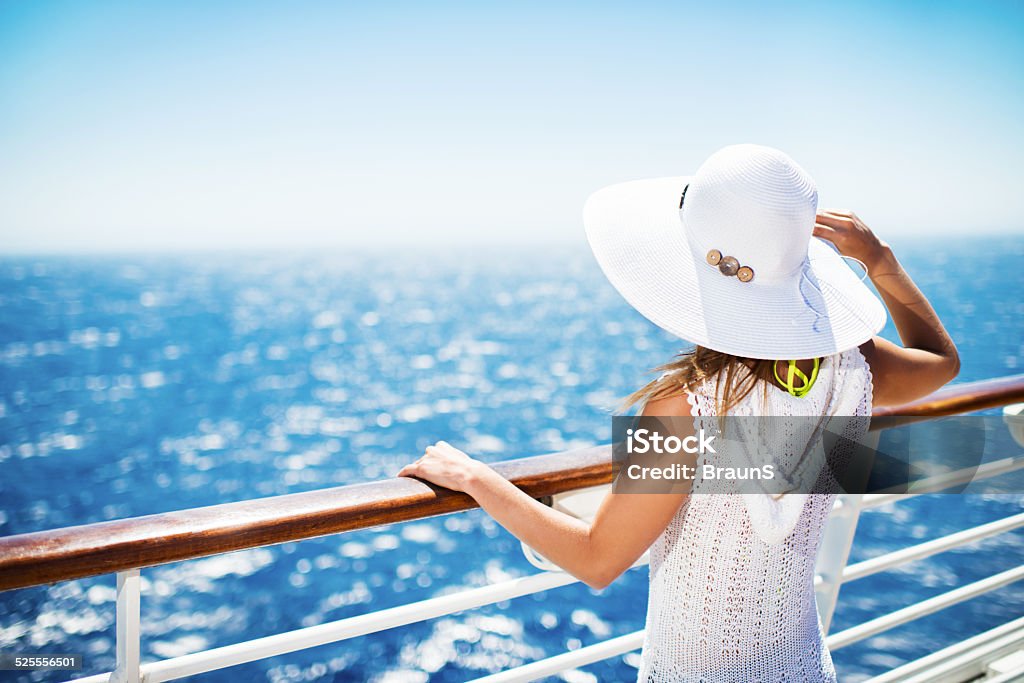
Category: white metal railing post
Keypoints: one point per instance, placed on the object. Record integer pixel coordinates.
(842, 527)
(835, 551)
(128, 627)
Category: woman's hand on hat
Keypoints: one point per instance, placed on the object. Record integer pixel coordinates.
(851, 236)
(444, 465)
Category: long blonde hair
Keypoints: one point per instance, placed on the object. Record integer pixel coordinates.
(735, 377)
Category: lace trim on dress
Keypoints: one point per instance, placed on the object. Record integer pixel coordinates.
(870, 377)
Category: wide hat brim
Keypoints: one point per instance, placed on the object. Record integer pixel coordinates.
(637, 233)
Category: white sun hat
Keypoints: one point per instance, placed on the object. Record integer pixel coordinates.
(726, 259)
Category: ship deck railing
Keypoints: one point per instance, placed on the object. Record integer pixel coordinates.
(126, 547)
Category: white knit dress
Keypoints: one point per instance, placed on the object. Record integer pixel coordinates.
(732, 575)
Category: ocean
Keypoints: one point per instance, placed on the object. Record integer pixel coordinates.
(138, 384)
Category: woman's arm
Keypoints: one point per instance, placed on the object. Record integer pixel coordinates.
(597, 553)
(928, 358)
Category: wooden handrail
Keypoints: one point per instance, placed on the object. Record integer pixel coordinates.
(961, 398)
(91, 549)
(104, 547)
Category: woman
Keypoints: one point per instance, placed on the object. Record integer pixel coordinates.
(729, 259)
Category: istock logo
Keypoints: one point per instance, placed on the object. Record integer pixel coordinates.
(646, 441)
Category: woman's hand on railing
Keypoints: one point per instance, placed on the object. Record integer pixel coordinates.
(445, 465)
(562, 538)
(595, 552)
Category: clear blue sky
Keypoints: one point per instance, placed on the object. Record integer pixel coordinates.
(134, 125)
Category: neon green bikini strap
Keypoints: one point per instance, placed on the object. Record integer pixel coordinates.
(788, 383)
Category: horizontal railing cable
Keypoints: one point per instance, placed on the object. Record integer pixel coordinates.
(923, 608)
(922, 550)
(597, 652)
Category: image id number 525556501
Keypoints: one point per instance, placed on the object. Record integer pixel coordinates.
(32, 661)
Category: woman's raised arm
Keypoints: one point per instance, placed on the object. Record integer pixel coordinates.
(928, 358)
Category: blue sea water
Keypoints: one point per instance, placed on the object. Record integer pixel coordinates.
(137, 384)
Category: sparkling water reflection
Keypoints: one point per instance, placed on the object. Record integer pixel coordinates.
(142, 384)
